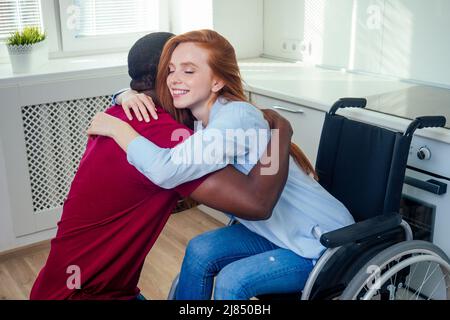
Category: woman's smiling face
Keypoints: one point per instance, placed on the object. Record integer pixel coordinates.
(190, 79)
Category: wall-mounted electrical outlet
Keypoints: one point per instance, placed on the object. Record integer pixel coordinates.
(284, 45)
(291, 46)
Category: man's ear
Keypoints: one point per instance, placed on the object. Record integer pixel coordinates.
(217, 85)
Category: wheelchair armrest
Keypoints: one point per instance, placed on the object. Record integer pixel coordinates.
(357, 232)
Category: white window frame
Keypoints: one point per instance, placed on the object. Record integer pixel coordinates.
(3, 53)
(104, 42)
(50, 16)
(60, 44)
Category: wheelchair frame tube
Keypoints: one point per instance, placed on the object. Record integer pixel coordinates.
(316, 271)
(408, 231)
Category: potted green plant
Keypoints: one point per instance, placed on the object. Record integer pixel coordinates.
(27, 49)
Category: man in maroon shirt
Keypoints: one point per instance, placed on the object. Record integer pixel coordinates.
(113, 214)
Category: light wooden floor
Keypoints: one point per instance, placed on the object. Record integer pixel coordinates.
(19, 269)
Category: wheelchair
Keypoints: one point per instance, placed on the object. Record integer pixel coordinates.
(376, 258)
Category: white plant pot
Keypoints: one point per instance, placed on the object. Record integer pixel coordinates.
(28, 58)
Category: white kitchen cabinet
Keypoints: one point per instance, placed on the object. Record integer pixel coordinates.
(306, 122)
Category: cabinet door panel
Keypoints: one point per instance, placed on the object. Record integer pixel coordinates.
(306, 122)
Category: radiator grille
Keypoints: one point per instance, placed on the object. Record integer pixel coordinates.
(55, 139)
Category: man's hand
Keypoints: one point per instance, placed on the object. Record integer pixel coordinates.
(276, 121)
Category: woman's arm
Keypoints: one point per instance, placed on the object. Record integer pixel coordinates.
(165, 167)
(107, 125)
(203, 152)
(251, 197)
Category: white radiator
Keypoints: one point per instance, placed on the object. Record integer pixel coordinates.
(43, 123)
(55, 139)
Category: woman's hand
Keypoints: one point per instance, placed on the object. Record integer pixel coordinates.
(106, 125)
(140, 103)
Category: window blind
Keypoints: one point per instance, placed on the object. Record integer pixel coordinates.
(17, 14)
(109, 17)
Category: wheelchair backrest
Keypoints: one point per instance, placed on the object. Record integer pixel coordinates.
(362, 165)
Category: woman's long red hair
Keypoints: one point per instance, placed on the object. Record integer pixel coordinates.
(223, 63)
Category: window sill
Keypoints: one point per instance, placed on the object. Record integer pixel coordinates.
(67, 68)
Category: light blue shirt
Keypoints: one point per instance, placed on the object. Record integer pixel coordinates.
(305, 209)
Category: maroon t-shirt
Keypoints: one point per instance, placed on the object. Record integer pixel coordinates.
(111, 218)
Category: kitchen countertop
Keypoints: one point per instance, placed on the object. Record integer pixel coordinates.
(391, 103)
(413, 102)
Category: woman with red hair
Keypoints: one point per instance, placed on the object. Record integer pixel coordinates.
(199, 79)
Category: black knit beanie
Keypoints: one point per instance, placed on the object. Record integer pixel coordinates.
(143, 60)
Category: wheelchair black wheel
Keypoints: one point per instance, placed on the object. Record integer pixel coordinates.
(410, 270)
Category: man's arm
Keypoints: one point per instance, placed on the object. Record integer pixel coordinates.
(252, 196)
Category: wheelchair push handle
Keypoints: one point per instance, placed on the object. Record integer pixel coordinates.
(426, 122)
(348, 103)
(431, 122)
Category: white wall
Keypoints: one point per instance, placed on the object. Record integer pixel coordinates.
(402, 38)
(416, 41)
(282, 23)
(190, 15)
(241, 22)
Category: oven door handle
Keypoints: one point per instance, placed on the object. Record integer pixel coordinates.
(433, 186)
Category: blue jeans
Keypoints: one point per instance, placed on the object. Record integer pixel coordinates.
(244, 264)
